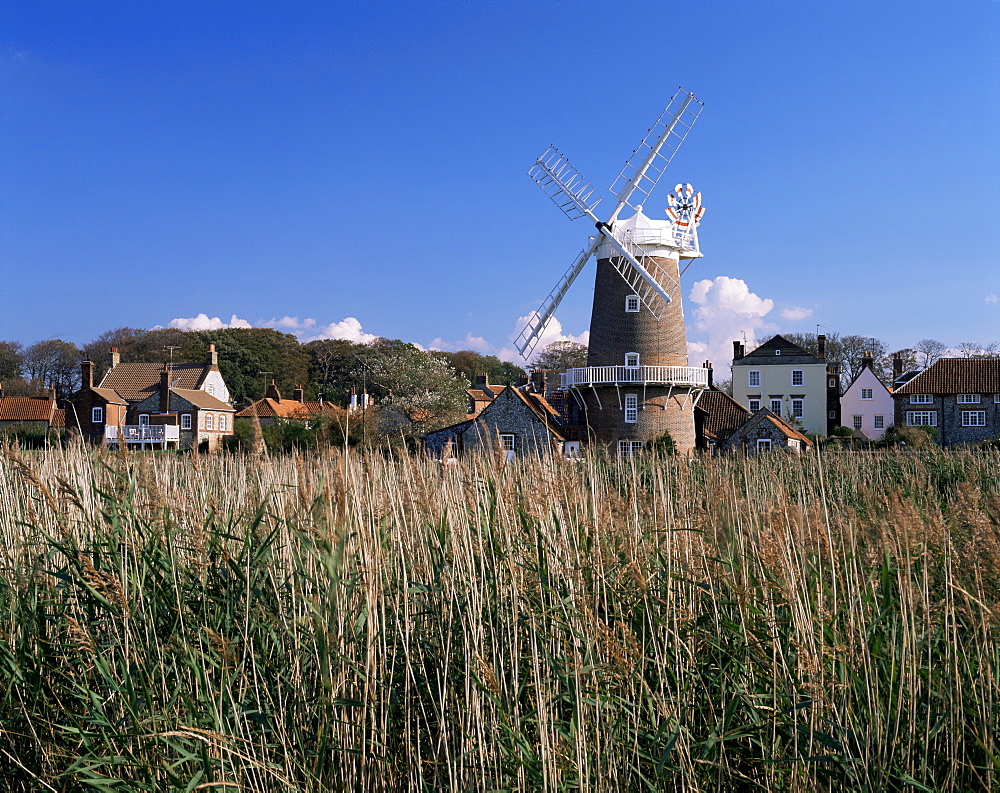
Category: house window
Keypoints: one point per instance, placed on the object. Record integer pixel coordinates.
(185, 421)
(776, 407)
(973, 418)
(879, 422)
(97, 415)
(797, 377)
(921, 399)
(631, 359)
(753, 378)
(631, 408)
(507, 445)
(857, 422)
(222, 423)
(866, 393)
(797, 411)
(143, 419)
(996, 399)
(209, 421)
(628, 448)
(763, 445)
(632, 304)
(777, 352)
(832, 414)
(832, 383)
(754, 405)
(921, 418)
(968, 399)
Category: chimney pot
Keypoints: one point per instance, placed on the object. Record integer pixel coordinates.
(897, 366)
(821, 346)
(213, 356)
(116, 357)
(298, 393)
(737, 350)
(481, 380)
(165, 390)
(87, 370)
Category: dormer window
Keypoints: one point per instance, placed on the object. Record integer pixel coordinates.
(632, 304)
(631, 359)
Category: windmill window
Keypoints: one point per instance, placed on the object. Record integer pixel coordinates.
(632, 304)
(631, 359)
(97, 415)
(628, 448)
(753, 378)
(797, 377)
(631, 408)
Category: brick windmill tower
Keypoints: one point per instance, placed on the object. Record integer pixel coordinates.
(637, 384)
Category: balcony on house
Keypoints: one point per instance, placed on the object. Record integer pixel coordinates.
(669, 376)
(143, 433)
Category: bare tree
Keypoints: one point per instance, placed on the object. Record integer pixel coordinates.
(929, 351)
(53, 362)
(10, 359)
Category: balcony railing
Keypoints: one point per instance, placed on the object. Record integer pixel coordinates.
(143, 433)
(687, 376)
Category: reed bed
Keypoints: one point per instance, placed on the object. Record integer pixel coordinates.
(356, 622)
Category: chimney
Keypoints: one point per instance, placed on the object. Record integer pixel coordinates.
(272, 392)
(297, 394)
(897, 366)
(538, 381)
(821, 346)
(523, 380)
(738, 350)
(165, 390)
(116, 357)
(52, 392)
(213, 357)
(866, 359)
(353, 403)
(708, 365)
(482, 380)
(87, 370)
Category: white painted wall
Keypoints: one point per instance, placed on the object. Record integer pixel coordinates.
(851, 405)
(776, 380)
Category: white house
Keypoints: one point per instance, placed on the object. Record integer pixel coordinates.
(866, 406)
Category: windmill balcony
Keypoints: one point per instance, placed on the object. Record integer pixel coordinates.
(673, 376)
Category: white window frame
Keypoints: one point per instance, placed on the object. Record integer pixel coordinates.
(753, 378)
(996, 399)
(754, 405)
(143, 419)
(973, 418)
(798, 408)
(832, 383)
(777, 352)
(632, 304)
(921, 399)
(867, 393)
(775, 411)
(508, 441)
(97, 415)
(209, 421)
(921, 418)
(832, 414)
(859, 421)
(631, 408)
(798, 377)
(631, 360)
(185, 421)
(764, 445)
(878, 422)
(968, 399)
(627, 448)
(222, 422)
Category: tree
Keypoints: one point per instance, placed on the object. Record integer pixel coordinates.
(848, 352)
(11, 359)
(53, 363)
(974, 349)
(332, 364)
(561, 355)
(469, 364)
(929, 351)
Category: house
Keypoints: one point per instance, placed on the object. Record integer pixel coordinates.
(764, 432)
(867, 404)
(517, 421)
(959, 396)
(791, 383)
(716, 417)
(181, 405)
(273, 407)
(481, 394)
(38, 412)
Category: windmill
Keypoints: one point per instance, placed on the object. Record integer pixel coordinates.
(637, 359)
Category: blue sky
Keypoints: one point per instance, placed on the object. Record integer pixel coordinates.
(362, 165)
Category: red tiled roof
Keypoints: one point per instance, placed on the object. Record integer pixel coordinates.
(786, 428)
(535, 403)
(956, 376)
(136, 381)
(724, 415)
(284, 409)
(201, 399)
(17, 408)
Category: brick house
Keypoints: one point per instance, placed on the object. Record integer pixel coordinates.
(790, 382)
(867, 404)
(40, 412)
(765, 432)
(517, 421)
(716, 417)
(959, 396)
(182, 405)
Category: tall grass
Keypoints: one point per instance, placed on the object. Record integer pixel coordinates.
(351, 622)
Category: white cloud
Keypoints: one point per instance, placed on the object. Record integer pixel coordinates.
(475, 343)
(348, 328)
(992, 298)
(291, 323)
(204, 322)
(795, 313)
(726, 310)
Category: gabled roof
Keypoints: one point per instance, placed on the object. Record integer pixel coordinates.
(723, 414)
(136, 381)
(20, 408)
(543, 411)
(272, 408)
(766, 415)
(110, 396)
(789, 354)
(956, 376)
(201, 399)
(858, 377)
